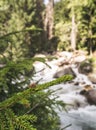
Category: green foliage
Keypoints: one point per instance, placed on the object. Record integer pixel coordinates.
(63, 30)
(87, 27)
(14, 76)
(17, 97)
(22, 107)
(22, 16)
(62, 25)
(85, 20)
(8, 120)
(39, 104)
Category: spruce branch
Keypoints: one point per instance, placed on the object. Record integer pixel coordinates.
(26, 93)
(20, 31)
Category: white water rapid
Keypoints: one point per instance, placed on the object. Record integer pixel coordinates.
(80, 115)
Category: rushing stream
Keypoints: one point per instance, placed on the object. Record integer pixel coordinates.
(80, 115)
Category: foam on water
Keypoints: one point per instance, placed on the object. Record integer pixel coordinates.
(79, 119)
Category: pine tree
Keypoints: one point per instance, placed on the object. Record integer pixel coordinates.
(83, 33)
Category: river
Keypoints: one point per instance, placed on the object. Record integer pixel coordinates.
(80, 115)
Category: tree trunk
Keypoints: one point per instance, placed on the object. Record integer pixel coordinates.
(48, 20)
(90, 42)
(73, 32)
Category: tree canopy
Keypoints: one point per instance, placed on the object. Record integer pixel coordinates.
(83, 26)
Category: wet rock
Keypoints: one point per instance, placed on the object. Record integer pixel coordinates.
(92, 78)
(64, 72)
(76, 83)
(90, 94)
(79, 58)
(85, 67)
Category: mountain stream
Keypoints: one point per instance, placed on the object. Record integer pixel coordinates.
(80, 115)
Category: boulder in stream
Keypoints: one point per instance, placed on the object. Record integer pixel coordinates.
(92, 77)
(90, 93)
(85, 67)
(64, 71)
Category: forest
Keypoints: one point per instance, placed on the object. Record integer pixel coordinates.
(30, 27)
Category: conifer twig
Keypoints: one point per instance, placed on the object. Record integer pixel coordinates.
(26, 93)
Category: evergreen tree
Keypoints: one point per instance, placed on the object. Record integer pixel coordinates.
(84, 24)
(23, 15)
